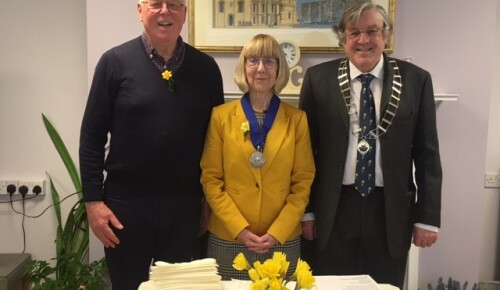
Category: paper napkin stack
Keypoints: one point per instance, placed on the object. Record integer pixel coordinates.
(195, 275)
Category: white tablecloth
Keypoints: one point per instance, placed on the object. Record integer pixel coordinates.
(360, 282)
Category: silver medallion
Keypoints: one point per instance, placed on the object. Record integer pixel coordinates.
(363, 147)
(257, 159)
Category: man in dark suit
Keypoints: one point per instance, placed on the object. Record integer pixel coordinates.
(364, 223)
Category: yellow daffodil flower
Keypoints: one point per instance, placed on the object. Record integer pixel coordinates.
(260, 284)
(254, 276)
(302, 266)
(305, 280)
(271, 275)
(281, 259)
(275, 283)
(168, 76)
(245, 128)
(240, 263)
(271, 268)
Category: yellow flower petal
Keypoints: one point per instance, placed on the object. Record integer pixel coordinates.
(280, 258)
(270, 268)
(245, 128)
(166, 74)
(305, 280)
(257, 286)
(254, 276)
(260, 284)
(259, 268)
(301, 266)
(240, 263)
(275, 283)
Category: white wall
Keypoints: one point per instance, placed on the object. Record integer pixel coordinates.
(45, 50)
(490, 250)
(458, 53)
(43, 69)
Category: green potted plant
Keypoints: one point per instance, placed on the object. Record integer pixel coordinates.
(451, 285)
(71, 269)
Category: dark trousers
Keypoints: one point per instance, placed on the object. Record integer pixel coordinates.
(358, 243)
(156, 228)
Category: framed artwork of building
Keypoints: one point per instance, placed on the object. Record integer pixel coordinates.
(226, 25)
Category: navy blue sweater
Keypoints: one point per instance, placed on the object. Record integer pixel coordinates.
(157, 136)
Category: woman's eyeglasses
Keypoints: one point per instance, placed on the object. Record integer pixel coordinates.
(268, 62)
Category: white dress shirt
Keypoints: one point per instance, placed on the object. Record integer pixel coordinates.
(352, 151)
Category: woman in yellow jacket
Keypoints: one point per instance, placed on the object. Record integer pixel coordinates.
(257, 164)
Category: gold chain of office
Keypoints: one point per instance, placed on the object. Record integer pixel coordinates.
(390, 112)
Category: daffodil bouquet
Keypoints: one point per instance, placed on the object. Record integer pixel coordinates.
(271, 275)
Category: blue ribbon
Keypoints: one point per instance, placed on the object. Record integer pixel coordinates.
(257, 136)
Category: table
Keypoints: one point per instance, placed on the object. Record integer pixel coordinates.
(364, 282)
(13, 271)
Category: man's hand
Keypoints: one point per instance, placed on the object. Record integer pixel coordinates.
(205, 215)
(423, 238)
(308, 230)
(100, 218)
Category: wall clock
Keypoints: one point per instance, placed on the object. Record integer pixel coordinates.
(292, 52)
(292, 56)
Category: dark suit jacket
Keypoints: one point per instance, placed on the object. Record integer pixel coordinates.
(411, 139)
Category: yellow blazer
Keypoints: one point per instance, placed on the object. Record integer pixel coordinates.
(271, 199)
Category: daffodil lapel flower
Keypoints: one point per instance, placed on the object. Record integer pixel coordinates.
(245, 128)
(169, 77)
(271, 275)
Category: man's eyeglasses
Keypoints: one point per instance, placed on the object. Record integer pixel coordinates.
(370, 33)
(156, 6)
(268, 62)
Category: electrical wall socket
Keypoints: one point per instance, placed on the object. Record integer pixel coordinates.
(4, 184)
(492, 180)
(33, 187)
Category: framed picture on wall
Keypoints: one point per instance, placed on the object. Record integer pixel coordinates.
(226, 25)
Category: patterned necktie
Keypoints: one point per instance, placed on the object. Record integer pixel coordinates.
(365, 163)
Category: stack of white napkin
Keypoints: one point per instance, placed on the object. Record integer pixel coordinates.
(195, 275)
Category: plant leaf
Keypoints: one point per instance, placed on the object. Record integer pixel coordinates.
(64, 154)
(72, 241)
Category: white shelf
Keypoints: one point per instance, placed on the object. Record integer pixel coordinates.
(446, 97)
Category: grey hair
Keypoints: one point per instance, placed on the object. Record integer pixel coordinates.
(352, 14)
